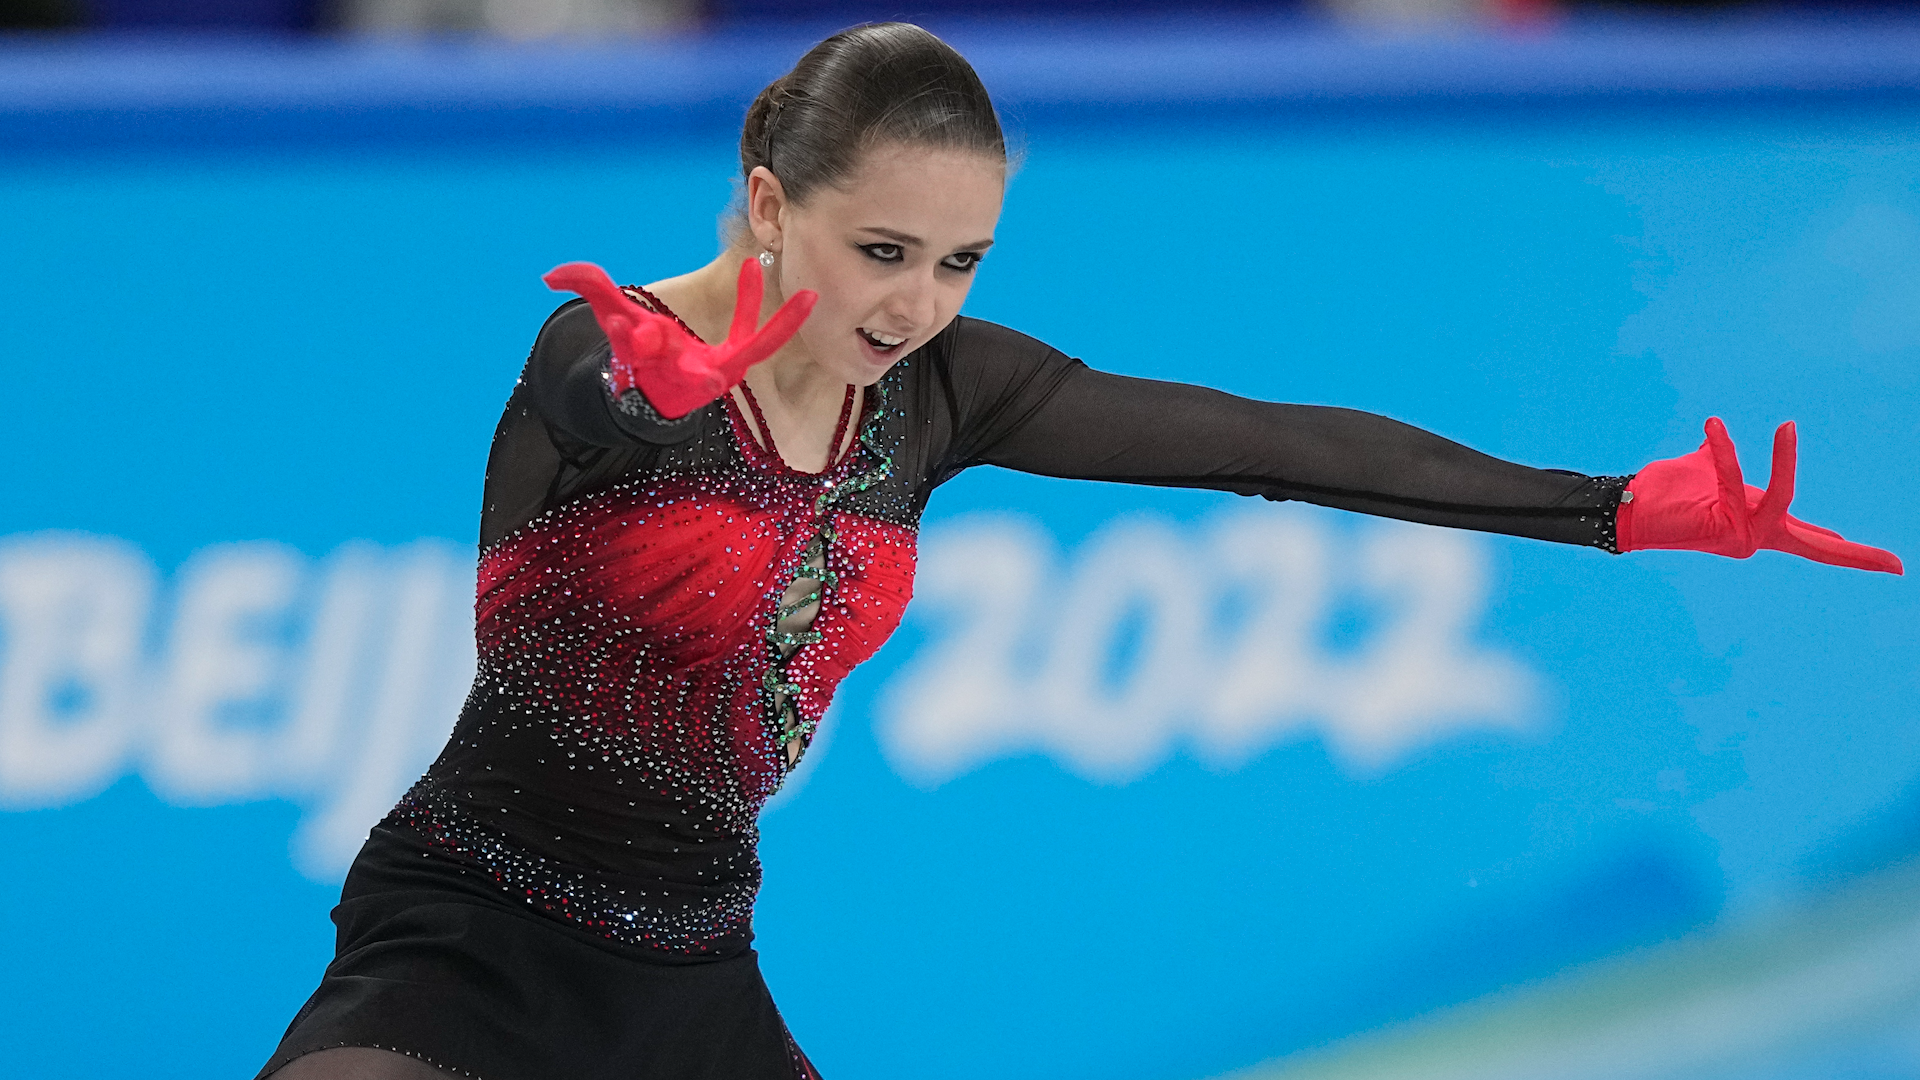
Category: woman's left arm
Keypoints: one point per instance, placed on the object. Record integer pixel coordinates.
(1097, 426)
(1032, 409)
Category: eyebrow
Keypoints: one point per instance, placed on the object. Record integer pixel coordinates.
(910, 240)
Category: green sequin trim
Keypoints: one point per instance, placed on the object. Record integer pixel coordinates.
(782, 713)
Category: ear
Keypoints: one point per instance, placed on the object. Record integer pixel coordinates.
(766, 207)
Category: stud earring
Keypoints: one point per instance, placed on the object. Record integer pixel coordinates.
(766, 259)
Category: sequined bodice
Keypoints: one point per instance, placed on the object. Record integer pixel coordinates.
(616, 604)
(639, 698)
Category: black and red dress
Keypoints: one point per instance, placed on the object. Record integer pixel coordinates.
(568, 891)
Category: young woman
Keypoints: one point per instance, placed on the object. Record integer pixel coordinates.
(695, 525)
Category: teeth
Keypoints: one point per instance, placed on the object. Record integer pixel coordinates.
(884, 340)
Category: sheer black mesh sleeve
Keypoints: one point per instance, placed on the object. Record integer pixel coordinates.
(564, 436)
(1019, 404)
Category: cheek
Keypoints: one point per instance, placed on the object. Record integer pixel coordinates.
(837, 310)
(952, 298)
(842, 287)
(829, 329)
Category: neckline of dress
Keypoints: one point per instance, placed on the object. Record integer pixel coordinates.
(769, 451)
(660, 307)
(772, 450)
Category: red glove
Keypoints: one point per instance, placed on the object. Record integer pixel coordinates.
(1700, 503)
(676, 371)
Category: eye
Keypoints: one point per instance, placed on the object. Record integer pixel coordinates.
(886, 253)
(962, 261)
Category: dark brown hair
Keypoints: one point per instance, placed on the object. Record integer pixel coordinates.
(866, 86)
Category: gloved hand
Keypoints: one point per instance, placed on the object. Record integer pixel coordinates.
(676, 371)
(1700, 503)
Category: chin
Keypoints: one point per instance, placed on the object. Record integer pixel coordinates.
(861, 371)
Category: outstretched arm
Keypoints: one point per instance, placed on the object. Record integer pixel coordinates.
(1024, 406)
(1032, 409)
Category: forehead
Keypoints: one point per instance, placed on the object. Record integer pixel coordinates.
(929, 192)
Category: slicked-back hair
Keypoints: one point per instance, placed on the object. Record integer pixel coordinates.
(872, 85)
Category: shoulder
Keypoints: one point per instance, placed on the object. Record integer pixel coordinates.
(971, 335)
(979, 364)
(977, 346)
(568, 337)
(573, 319)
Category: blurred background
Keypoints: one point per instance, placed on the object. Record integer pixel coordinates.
(1152, 784)
(523, 19)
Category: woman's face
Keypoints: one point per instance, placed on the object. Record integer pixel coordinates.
(892, 252)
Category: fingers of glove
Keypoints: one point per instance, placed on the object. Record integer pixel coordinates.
(691, 374)
(676, 385)
(778, 331)
(638, 348)
(786, 322)
(639, 336)
(1825, 546)
(589, 281)
(655, 336)
(1779, 495)
(1733, 489)
(1809, 541)
(746, 302)
(645, 341)
(695, 367)
(1793, 524)
(1754, 495)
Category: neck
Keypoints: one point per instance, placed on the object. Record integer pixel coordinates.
(791, 375)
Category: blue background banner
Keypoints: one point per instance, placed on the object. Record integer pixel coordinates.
(1151, 783)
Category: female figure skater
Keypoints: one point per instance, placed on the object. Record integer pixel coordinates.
(695, 525)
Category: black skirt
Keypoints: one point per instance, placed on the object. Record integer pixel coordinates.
(434, 961)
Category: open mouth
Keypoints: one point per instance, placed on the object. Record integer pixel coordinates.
(879, 342)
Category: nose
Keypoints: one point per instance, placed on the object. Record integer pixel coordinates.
(914, 303)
